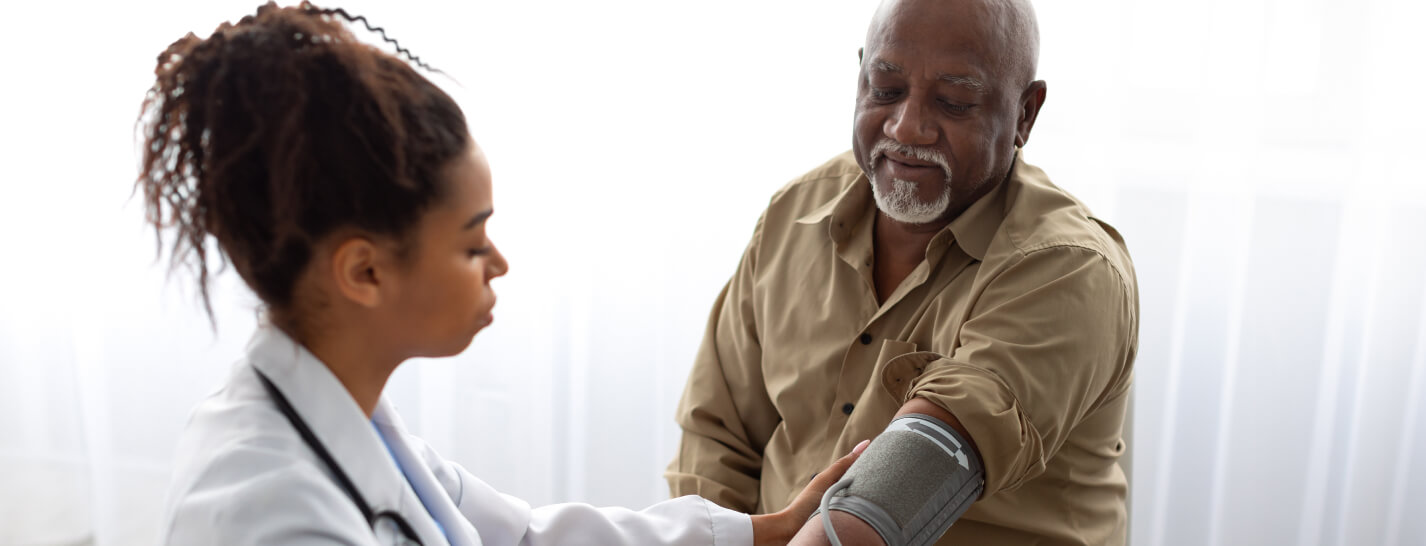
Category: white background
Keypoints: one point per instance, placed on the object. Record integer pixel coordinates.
(1260, 156)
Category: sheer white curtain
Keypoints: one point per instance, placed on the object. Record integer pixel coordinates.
(1259, 156)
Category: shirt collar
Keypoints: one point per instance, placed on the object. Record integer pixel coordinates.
(977, 225)
(972, 230)
(846, 209)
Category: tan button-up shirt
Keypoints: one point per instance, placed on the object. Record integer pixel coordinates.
(1022, 321)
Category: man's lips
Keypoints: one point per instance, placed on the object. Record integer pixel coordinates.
(905, 168)
(901, 171)
(909, 161)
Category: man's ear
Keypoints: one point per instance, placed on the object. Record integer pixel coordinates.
(1030, 102)
(355, 272)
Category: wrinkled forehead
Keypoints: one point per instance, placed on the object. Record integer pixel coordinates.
(994, 37)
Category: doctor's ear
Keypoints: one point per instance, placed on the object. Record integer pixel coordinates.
(356, 273)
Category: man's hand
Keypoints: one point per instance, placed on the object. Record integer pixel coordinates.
(779, 527)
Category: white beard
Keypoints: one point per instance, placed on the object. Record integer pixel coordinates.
(902, 204)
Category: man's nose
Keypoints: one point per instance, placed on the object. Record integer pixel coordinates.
(911, 124)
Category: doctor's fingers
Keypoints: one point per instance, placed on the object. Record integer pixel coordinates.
(833, 472)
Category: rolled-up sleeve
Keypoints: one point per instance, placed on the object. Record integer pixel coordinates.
(725, 413)
(1050, 338)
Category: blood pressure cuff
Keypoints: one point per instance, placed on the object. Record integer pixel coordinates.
(911, 483)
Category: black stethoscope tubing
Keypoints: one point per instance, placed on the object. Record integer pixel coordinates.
(343, 480)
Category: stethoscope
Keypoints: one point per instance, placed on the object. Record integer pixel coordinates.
(342, 480)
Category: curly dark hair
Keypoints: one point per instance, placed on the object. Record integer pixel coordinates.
(277, 130)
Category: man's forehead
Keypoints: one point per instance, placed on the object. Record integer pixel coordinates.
(993, 35)
(905, 19)
(932, 35)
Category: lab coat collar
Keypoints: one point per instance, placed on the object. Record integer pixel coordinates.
(338, 422)
(442, 508)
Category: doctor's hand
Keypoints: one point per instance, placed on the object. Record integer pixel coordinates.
(779, 527)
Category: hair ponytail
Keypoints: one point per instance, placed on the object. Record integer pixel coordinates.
(275, 131)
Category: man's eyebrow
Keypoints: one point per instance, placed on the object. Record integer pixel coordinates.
(478, 218)
(953, 79)
(886, 66)
(965, 81)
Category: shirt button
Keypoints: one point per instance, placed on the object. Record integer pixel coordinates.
(847, 408)
(865, 339)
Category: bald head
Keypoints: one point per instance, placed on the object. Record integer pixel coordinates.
(1003, 32)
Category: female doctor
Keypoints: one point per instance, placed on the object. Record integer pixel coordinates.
(345, 189)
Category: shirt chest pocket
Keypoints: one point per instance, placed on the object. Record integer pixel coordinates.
(886, 362)
(899, 371)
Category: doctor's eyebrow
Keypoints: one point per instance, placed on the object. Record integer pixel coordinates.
(477, 219)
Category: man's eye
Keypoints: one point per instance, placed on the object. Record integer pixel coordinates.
(955, 108)
(884, 93)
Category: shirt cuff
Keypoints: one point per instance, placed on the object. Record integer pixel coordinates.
(1010, 447)
(729, 527)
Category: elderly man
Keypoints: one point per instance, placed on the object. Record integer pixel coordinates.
(929, 271)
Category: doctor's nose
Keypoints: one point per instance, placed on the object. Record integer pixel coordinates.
(497, 265)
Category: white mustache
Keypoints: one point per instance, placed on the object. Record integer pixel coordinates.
(878, 152)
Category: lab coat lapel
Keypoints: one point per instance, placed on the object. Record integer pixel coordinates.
(442, 508)
(339, 424)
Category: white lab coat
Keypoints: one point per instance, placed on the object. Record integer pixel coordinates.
(243, 475)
